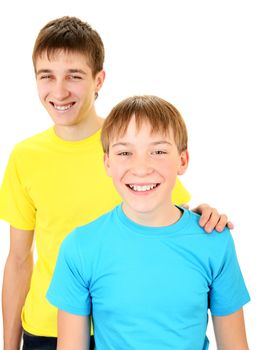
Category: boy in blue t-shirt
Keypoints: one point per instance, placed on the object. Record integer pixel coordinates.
(146, 270)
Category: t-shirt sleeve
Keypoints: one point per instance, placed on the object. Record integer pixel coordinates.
(16, 206)
(69, 288)
(179, 194)
(228, 291)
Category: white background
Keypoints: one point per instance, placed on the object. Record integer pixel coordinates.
(199, 55)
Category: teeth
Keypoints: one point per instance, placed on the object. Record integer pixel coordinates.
(63, 108)
(142, 188)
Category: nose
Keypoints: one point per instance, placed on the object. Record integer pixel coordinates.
(141, 167)
(60, 91)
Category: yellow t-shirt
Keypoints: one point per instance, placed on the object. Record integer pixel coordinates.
(52, 186)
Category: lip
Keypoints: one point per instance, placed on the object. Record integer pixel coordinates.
(142, 193)
(62, 108)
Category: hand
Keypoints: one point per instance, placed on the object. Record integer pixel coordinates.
(211, 219)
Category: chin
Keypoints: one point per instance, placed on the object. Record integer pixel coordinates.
(62, 122)
(141, 209)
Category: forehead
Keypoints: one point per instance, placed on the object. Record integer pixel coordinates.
(143, 132)
(62, 59)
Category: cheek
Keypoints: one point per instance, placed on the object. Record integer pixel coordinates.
(111, 168)
(78, 90)
(169, 170)
(118, 173)
(42, 90)
(82, 90)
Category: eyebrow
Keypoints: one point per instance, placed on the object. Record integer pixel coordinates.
(40, 71)
(155, 143)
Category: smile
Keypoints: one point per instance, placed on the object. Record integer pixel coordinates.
(63, 108)
(143, 188)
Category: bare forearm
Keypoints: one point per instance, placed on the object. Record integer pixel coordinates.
(17, 275)
(230, 331)
(73, 331)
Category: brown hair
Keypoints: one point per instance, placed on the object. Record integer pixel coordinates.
(71, 35)
(160, 114)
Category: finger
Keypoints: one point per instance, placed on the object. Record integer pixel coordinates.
(230, 225)
(205, 216)
(222, 223)
(213, 221)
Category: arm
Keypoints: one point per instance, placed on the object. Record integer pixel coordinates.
(211, 219)
(17, 275)
(230, 331)
(73, 331)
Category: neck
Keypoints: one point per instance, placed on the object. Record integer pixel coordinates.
(154, 219)
(79, 131)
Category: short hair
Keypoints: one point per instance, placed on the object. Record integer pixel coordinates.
(70, 34)
(160, 114)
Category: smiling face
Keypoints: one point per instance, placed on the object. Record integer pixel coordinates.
(144, 168)
(67, 87)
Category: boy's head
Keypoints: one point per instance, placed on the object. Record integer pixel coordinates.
(160, 114)
(68, 61)
(145, 143)
(71, 35)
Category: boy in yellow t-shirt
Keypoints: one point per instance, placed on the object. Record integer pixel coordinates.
(55, 181)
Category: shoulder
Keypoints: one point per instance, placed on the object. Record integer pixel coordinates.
(213, 251)
(103, 222)
(32, 143)
(92, 231)
(195, 226)
(24, 154)
(85, 242)
(212, 242)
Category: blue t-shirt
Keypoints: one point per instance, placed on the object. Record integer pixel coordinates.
(148, 287)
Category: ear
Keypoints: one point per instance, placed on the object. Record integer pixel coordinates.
(107, 164)
(184, 159)
(99, 80)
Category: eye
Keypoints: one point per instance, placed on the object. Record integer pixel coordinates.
(159, 152)
(74, 77)
(124, 153)
(45, 77)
